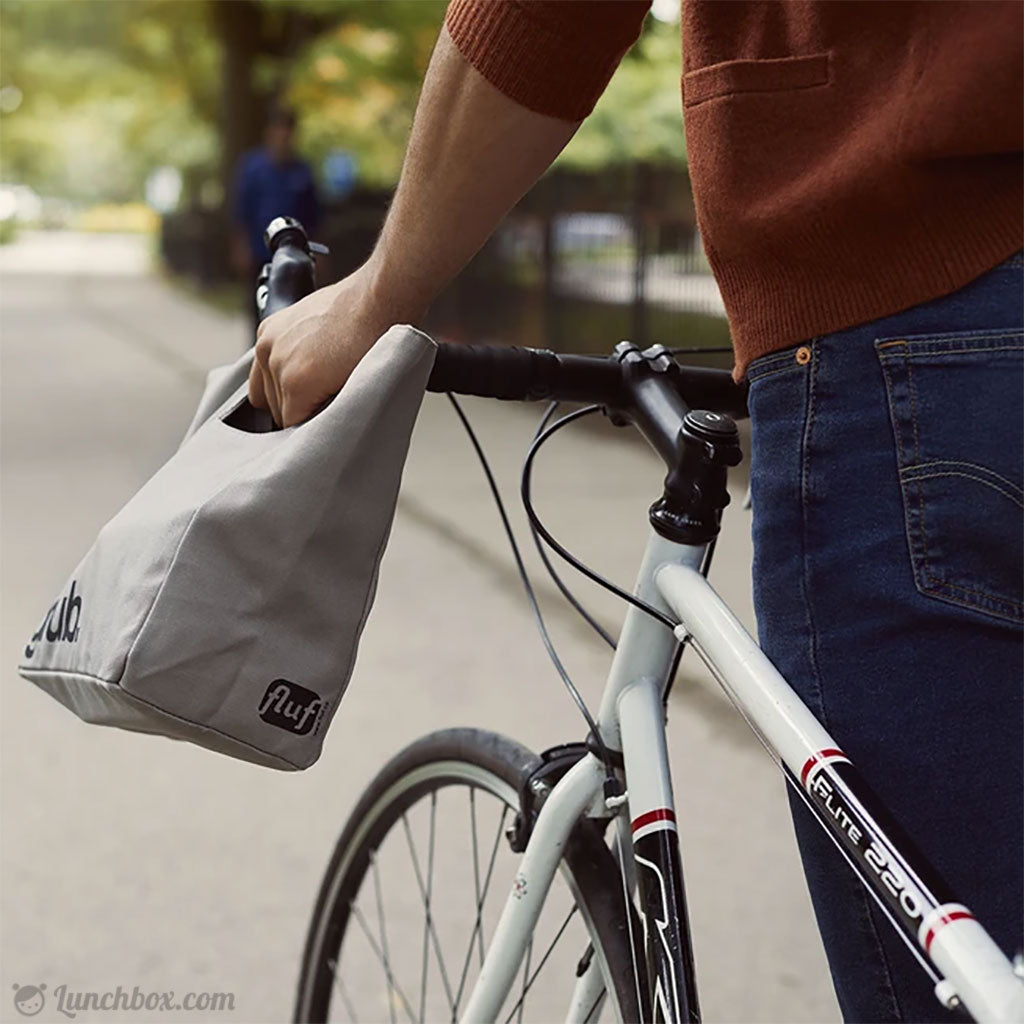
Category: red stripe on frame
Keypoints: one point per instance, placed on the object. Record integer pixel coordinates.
(812, 761)
(953, 915)
(661, 814)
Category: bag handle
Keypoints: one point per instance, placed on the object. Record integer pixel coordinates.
(246, 417)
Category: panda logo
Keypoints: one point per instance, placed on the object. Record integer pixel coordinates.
(29, 999)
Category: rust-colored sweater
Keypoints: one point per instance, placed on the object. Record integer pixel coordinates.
(848, 159)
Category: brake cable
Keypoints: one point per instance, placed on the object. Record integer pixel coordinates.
(603, 752)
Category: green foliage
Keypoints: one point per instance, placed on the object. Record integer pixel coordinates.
(639, 117)
(357, 84)
(114, 88)
(110, 89)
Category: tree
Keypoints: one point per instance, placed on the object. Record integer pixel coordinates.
(113, 88)
(109, 90)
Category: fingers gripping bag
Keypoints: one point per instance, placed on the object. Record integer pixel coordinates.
(223, 604)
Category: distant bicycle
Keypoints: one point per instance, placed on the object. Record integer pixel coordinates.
(569, 891)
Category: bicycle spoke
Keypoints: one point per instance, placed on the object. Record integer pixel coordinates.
(392, 984)
(478, 926)
(429, 921)
(476, 865)
(425, 895)
(544, 960)
(426, 934)
(340, 986)
(383, 931)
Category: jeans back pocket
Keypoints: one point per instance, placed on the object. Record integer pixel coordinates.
(955, 403)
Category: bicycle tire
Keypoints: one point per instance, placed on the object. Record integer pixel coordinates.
(470, 759)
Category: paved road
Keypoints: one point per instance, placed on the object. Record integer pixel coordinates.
(130, 860)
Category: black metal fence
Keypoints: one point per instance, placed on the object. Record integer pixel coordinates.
(582, 262)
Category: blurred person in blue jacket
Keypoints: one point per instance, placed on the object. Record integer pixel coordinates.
(271, 181)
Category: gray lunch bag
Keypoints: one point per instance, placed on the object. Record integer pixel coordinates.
(223, 604)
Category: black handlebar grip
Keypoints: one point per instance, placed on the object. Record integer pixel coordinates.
(492, 371)
(526, 374)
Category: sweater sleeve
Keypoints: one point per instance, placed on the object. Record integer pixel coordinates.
(554, 57)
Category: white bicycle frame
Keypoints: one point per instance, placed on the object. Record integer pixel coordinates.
(973, 969)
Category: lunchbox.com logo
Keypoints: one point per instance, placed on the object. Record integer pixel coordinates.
(30, 999)
(292, 707)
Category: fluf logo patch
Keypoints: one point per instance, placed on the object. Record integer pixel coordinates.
(292, 707)
(61, 622)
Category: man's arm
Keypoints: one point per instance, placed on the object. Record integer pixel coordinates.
(472, 155)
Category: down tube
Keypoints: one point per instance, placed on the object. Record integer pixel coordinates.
(661, 897)
(976, 973)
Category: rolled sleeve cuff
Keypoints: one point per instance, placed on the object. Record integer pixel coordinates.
(554, 57)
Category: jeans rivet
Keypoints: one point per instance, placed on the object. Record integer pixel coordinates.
(803, 355)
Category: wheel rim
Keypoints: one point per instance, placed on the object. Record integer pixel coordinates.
(414, 900)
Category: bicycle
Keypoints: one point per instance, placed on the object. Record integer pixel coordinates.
(553, 811)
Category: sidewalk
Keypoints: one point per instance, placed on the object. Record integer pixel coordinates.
(135, 861)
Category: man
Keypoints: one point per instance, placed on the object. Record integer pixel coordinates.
(272, 181)
(858, 182)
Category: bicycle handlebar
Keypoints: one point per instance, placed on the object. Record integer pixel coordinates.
(647, 388)
(525, 374)
(291, 273)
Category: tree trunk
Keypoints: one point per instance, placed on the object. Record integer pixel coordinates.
(238, 24)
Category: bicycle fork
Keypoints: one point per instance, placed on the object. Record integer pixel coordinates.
(671, 994)
(632, 719)
(664, 966)
(647, 849)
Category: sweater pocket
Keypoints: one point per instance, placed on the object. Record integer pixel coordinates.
(732, 77)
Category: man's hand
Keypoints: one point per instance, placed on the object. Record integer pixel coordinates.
(305, 353)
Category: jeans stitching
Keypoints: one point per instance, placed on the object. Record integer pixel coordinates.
(939, 350)
(771, 373)
(922, 530)
(944, 585)
(968, 476)
(805, 513)
(772, 357)
(977, 605)
(908, 470)
(938, 341)
(897, 431)
(774, 362)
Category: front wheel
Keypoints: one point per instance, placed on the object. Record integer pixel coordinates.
(419, 878)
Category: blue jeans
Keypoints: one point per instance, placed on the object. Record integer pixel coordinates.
(886, 485)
